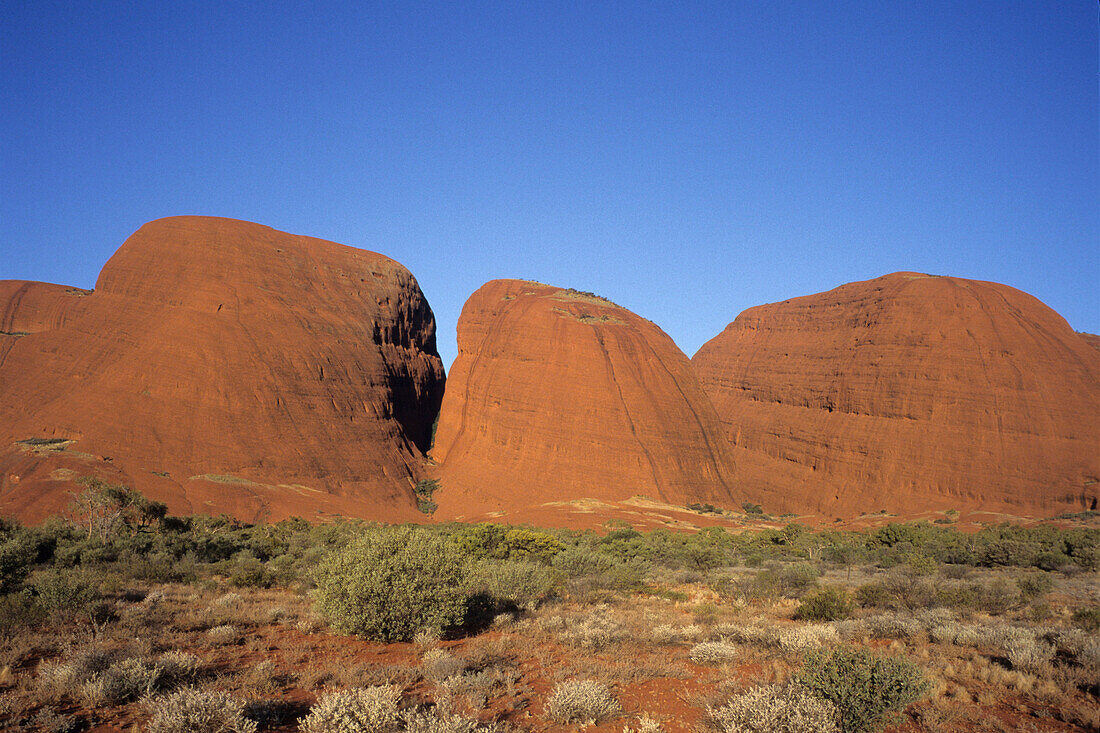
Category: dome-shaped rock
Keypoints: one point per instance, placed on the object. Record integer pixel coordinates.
(558, 395)
(221, 366)
(911, 393)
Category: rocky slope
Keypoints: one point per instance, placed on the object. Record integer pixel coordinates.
(912, 392)
(559, 396)
(221, 366)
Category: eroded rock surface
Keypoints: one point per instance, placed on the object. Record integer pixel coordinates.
(221, 366)
(558, 395)
(912, 392)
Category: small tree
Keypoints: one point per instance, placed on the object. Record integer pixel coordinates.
(103, 509)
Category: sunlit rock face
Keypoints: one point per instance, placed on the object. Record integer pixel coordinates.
(221, 366)
(911, 392)
(558, 395)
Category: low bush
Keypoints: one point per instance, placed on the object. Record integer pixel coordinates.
(594, 632)
(998, 596)
(123, 681)
(19, 612)
(439, 664)
(441, 719)
(48, 720)
(893, 626)
(803, 638)
(66, 678)
(1035, 585)
(392, 583)
(581, 701)
(1031, 655)
(223, 635)
(176, 668)
(198, 711)
(790, 708)
(520, 583)
(867, 690)
(872, 595)
(364, 710)
(830, 603)
(1087, 618)
(714, 652)
(63, 593)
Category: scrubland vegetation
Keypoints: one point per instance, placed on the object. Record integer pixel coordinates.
(122, 617)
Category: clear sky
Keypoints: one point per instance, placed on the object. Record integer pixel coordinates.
(687, 160)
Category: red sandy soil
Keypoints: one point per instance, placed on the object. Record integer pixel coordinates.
(222, 366)
(658, 680)
(910, 393)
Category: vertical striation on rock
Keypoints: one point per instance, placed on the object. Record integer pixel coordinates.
(558, 395)
(221, 365)
(912, 392)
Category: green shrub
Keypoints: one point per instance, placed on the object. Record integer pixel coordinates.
(867, 690)
(1087, 618)
(872, 595)
(576, 562)
(998, 596)
(18, 612)
(527, 544)
(18, 551)
(480, 541)
(64, 592)
(523, 584)
(830, 603)
(1048, 560)
(917, 565)
(702, 556)
(249, 572)
(424, 490)
(1035, 585)
(392, 583)
(795, 579)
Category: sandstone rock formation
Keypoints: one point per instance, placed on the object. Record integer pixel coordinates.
(221, 366)
(1091, 339)
(912, 392)
(559, 396)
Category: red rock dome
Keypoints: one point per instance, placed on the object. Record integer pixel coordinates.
(221, 366)
(557, 396)
(912, 392)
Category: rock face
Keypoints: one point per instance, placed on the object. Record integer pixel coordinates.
(911, 392)
(221, 366)
(558, 395)
(1091, 339)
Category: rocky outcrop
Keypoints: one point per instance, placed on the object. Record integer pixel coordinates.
(912, 392)
(558, 396)
(222, 366)
(1091, 339)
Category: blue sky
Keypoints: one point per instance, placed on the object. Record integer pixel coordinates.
(686, 160)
